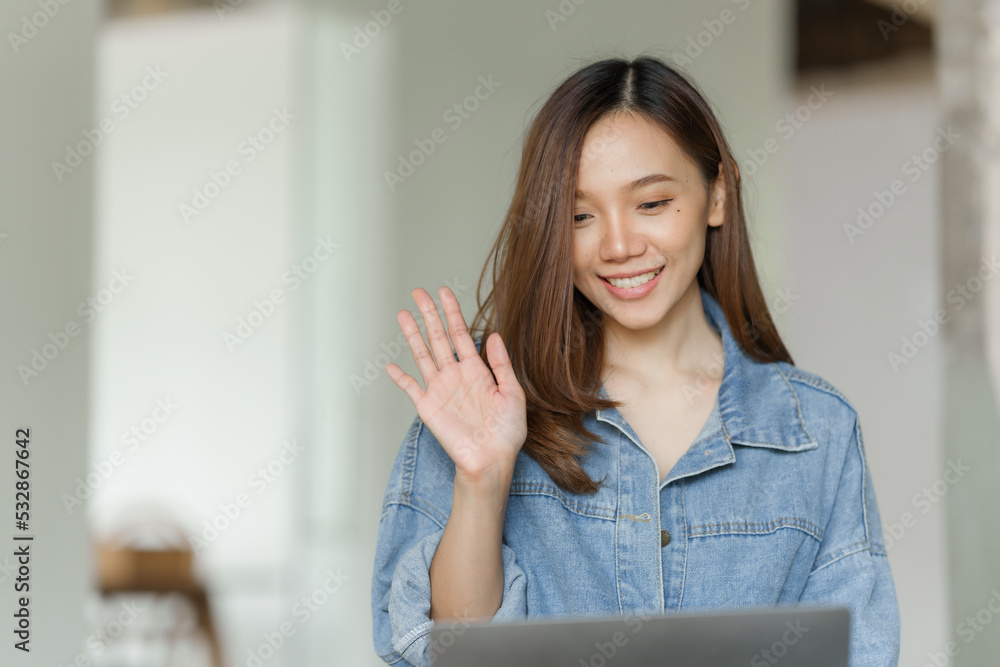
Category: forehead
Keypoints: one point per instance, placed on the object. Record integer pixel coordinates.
(623, 146)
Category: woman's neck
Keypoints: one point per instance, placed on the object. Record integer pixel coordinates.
(683, 345)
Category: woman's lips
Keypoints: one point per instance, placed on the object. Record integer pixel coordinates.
(628, 293)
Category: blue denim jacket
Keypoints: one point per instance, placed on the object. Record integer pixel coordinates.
(773, 504)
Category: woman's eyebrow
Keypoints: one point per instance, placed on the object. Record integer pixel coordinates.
(636, 184)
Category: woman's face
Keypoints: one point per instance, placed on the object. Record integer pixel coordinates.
(641, 207)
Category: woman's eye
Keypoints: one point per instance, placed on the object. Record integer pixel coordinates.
(649, 206)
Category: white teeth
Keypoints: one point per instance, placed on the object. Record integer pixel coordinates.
(626, 283)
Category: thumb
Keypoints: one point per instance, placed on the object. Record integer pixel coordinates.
(500, 364)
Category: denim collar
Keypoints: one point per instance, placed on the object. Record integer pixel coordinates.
(757, 405)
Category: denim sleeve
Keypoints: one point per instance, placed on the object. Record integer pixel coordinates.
(407, 540)
(852, 568)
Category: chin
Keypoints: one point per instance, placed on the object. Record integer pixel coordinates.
(637, 321)
(642, 324)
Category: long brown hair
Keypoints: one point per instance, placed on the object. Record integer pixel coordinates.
(554, 335)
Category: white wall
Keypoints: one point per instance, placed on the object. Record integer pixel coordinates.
(162, 337)
(291, 557)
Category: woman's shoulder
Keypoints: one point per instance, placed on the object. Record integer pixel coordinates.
(825, 410)
(806, 378)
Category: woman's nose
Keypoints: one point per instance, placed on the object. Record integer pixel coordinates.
(620, 239)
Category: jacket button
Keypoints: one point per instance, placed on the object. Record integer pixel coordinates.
(664, 538)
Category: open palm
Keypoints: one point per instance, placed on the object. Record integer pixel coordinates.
(480, 423)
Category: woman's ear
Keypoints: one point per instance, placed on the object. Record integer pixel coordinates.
(717, 200)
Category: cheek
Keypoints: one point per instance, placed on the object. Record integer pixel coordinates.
(682, 235)
(583, 253)
(675, 240)
(579, 278)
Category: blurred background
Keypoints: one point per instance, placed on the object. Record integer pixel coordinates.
(212, 210)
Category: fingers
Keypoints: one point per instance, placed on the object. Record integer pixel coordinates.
(464, 345)
(436, 334)
(496, 354)
(415, 340)
(404, 382)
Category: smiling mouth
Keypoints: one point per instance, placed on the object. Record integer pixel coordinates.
(636, 281)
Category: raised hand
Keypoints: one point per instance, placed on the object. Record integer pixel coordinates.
(480, 423)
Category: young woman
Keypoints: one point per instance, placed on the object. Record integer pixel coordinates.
(633, 436)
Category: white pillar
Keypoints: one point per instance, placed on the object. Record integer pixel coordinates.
(46, 230)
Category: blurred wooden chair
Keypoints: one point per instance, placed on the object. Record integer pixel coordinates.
(126, 569)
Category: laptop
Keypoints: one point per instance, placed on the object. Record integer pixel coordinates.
(804, 636)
